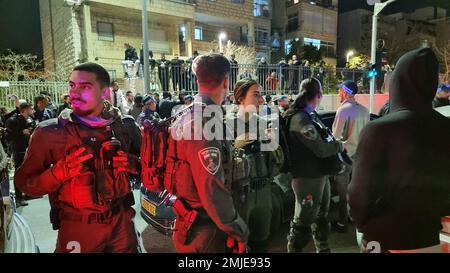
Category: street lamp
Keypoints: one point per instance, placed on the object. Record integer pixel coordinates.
(349, 54)
(222, 36)
(378, 7)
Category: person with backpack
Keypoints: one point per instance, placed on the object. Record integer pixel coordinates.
(254, 201)
(310, 178)
(196, 166)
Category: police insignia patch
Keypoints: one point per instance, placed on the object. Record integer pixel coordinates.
(210, 159)
(309, 132)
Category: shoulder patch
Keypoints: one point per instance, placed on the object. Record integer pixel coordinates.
(210, 159)
(309, 132)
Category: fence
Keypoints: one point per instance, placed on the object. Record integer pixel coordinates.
(28, 90)
(274, 79)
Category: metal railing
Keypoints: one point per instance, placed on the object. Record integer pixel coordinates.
(274, 79)
(29, 90)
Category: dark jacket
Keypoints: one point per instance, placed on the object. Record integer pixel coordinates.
(43, 115)
(308, 146)
(131, 54)
(146, 114)
(18, 142)
(165, 107)
(400, 182)
(53, 139)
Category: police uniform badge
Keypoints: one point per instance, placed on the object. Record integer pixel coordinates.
(309, 132)
(210, 159)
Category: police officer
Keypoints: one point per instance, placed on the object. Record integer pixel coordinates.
(199, 164)
(311, 186)
(84, 160)
(254, 198)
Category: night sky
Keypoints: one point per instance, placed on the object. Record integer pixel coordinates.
(20, 26)
(399, 5)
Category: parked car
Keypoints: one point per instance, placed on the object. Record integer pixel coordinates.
(156, 207)
(444, 110)
(15, 233)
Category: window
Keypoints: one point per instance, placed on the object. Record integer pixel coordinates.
(105, 31)
(287, 46)
(292, 22)
(182, 33)
(112, 74)
(198, 33)
(313, 42)
(262, 35)
(261, 8)
(327, 49)
(237, 1)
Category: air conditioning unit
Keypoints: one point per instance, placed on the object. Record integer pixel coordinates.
(73, 3)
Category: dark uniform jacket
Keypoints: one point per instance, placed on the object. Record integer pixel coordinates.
(205, 181)
(401, 175)
(55, 138)
(18, 142)
(307, 145)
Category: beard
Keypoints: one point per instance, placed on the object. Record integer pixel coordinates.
(80, 112)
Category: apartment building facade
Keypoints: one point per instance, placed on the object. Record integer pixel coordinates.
(398, 32)
(96, 30)
(311, 22)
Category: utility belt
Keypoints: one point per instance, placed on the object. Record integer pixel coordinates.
(93, 218)
(186, 217)
(244, 187)
(258, 183)
(97, 218)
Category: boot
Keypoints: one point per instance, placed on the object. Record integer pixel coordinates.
(320, 231)
(298, 237)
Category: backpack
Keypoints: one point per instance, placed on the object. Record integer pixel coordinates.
(284, 142)
(154, 150)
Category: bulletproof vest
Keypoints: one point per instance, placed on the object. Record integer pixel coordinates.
(100, 185)
(178, 178)
(304, 163)
(257, 160)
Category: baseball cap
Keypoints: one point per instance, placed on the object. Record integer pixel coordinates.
(283, 97)
(349, 87)
(189, 97)
(147, 99)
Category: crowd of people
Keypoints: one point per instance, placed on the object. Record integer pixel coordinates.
(385, 170)
(176, 74)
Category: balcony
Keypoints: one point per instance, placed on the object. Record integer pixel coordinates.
(179, 8)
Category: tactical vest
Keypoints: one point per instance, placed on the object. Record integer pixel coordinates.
(178, 177)
(258, 161)
(100, 186)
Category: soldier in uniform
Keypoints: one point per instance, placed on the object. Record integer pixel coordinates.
(254, 198)
(199, 165)
(311, 187)
(83, 160)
